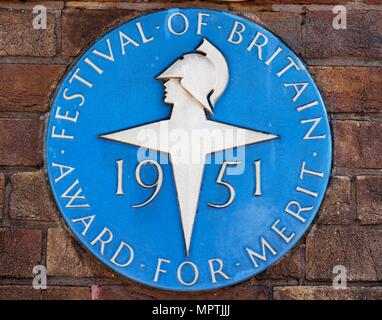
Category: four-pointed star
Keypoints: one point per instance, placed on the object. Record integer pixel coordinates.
(188, 174)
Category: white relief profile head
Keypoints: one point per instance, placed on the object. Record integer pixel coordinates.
(202, 74)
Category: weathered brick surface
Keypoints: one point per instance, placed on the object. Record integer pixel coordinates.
(249, 3)
(137, 292)
(361, 39)
(357, 144)
(66, 258)
(29, 198)
(19, 38)
(289, 267)
(27, 87)
(286, 25)
(336, 206)
(51, 293)
(2, 191)
(20, 251)
(327, 293)
(350, 89)
(143, 5)
(20, 142)
(358, 250)
(81, 27)
(369, 199)
(372, 1)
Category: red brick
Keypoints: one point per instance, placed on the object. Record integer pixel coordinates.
(29, 198)
(369, 199)
(27, 87)
(248, 3)
(247, 6)
(358, 250)
(372, 1)
(289, 267)
(81, 27)
(20, 142)
(361, 39)
(137, 292)
(327, 293)
(143, 5)
(357, 144)
(350, 89)
(2, 191)
(67, 258)
(19, 38)
(336, 206)
(51, 293)
(286, 25)
(20, 251)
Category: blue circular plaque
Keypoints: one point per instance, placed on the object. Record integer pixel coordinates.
(188, 149)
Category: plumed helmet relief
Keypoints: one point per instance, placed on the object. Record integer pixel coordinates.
(203, 74)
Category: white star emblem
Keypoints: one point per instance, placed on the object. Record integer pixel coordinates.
(189, 82)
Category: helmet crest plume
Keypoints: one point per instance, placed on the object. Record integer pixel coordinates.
(203, 74)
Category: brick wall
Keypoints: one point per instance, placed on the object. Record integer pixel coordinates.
(346, 65)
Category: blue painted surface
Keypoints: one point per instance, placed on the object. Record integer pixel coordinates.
(127, 95)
